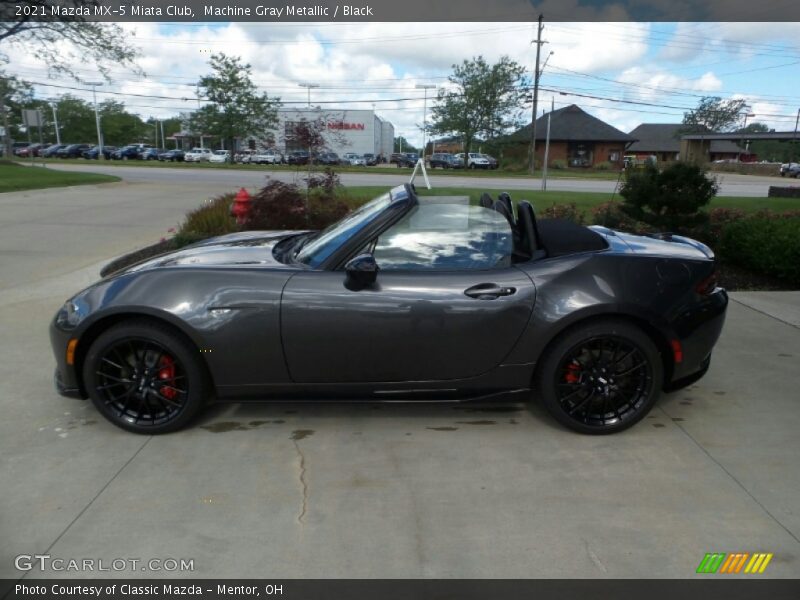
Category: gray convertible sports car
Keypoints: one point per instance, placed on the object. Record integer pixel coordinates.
(403, 299)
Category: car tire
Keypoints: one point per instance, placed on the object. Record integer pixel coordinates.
(152, 355)
(600, 377)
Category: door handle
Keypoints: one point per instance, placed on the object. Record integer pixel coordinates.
(488, 291)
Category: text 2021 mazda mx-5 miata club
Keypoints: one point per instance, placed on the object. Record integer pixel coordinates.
(403, 299)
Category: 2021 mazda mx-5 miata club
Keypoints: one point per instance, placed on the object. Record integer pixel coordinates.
(405, 298)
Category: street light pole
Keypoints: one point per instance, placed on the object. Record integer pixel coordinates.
(55, 122)
(794, 138)
(94, 85)
(308, 87)
(426, 87)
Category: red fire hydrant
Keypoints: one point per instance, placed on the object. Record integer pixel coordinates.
(241, 206)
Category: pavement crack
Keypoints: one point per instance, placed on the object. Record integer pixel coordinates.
(594, 558)
(303, 483)
(732, 476)
(92, 501)
(766, 314)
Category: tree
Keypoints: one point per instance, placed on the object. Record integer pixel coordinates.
(401, 144)
(755, 128)
(76, 120)
(482, 100)
(101, 44)
(714, 114)
(235, 107)
(14, 94)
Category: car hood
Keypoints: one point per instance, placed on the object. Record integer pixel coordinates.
(249, 248)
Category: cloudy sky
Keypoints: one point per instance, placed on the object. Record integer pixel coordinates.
(625, 73)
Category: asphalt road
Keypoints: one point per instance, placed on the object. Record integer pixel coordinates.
(315, 490)
(730, 184)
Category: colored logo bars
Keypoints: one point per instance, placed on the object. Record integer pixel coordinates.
(736, 562)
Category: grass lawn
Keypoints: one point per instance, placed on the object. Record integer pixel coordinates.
(552, 173)
(14, 178)
(585, 201)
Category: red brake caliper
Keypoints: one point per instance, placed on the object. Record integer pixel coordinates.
(166, 372)
(573, 373)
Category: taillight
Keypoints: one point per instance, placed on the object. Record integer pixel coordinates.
(707, 285)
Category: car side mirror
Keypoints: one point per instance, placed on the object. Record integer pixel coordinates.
(362, 271)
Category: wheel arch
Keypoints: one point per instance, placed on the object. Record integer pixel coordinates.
(105, 322)
(658, 336)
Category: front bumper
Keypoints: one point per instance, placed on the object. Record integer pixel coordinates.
(66, 377)
(64, 390)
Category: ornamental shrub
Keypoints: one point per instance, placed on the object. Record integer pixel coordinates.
(768, 244)
(570, 212)
(668, 200)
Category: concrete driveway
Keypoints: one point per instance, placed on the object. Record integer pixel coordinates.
(314, 490)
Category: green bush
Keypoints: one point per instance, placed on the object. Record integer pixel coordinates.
(768, 244)
(558, 163)
(611, 215)
(604, 166)
(570, 212)
(210, 220)
(669, 200)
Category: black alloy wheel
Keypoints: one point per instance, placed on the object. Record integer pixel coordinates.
(145, 378)
(602, 377)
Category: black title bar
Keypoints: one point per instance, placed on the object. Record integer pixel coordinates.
(400, 10)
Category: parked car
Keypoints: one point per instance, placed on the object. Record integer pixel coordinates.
(17, 146)
(243, 156)
(197, 155)
(94, 152)
(475, 160)
(370, 159)
(407, 159)
(790, 169)
(171, 156)
(298, 157)
(493, 164)
(72, 151)
(220, 156)
(471, 323)
(266, 157)
(30, 150)
(150, 153)
(354, 160)
(329, 158)
(444, 160)
(50, 151)
(130, 152)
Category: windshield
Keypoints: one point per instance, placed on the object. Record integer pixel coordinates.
(323, 245)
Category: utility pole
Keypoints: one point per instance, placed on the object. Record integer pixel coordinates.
(55, 123)
(94, 85)
(163, 140)
(426, 87)
(794, 138)
(536, 73)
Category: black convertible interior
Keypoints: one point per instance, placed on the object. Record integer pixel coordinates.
(535, 238)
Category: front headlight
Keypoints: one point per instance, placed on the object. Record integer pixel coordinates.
(70, 315)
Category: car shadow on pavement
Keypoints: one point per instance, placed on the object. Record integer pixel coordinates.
(437, 416)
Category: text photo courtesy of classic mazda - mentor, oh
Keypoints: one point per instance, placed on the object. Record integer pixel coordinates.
(405, 298)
